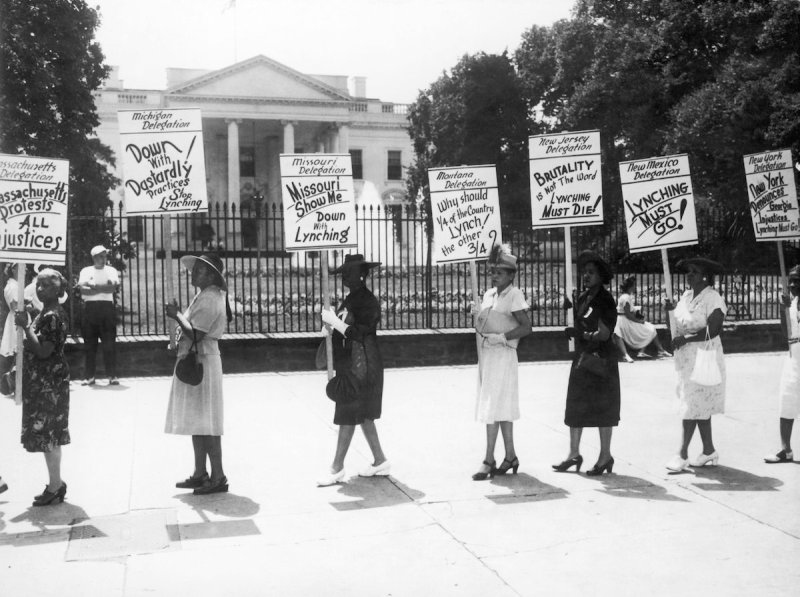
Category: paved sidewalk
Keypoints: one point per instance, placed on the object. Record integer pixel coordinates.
(428, 529)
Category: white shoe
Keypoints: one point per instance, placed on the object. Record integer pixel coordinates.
(705, 459)
(376, 471)
(330, 478)
(678, 464)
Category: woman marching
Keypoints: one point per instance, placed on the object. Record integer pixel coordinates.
(197, 410)
(699, 316)
(593, 397)
(45, 386)
(357, 387)
(790, 376)
(632, 329)
(501, 322)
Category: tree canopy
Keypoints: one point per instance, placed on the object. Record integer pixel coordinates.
(50, 66)
(713, 79)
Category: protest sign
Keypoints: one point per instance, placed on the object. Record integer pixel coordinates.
(163, 161)
(34, 196)
(466, 212)
(318, 201)
(659, 204)
(772, 195)
(566, 183)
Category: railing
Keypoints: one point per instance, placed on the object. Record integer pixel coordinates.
(273, 291)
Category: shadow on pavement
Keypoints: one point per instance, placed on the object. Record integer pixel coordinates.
(223, 504)
(633, 487)
(61, 516)
(375, 492)
(725, 478)
(525, 488)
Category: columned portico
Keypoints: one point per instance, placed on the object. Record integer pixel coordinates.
(288, 136)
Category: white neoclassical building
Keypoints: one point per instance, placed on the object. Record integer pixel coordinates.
(255, 110)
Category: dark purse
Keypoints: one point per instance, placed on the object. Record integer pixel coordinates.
(346, 386)
(593, 363)
(189, 368)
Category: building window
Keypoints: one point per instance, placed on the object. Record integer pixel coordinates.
(136, 229)
(247, 162)
(394, 170)
(358, 164)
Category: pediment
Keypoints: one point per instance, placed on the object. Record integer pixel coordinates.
(259, 77)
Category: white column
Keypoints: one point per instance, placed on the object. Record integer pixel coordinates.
(233, 161)
(288, 136)
(344, 138)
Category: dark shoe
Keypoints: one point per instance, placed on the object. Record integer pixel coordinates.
(782, 456)
(506, 465)
(577, 462)
(193, 482)
(3, 485)
(598, 469)
(38, 497)
(220, 487)
(48, 499)
(482, 476)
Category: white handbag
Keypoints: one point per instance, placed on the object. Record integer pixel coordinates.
(706, 371)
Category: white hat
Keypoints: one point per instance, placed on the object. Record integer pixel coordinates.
(98, 249)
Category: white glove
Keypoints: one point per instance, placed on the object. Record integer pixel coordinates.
(474, 309)
(325, 331)
(496, 339)
(330, 318)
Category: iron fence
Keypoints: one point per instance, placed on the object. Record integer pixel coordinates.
(273, 291)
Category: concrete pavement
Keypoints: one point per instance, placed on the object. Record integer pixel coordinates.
(428, 529)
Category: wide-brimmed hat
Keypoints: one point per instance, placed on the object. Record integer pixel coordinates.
(602, 267)
(212, 261)
(355, 260)
(709, 266)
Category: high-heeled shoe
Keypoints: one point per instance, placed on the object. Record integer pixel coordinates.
(38, 497)
(481, 475)
(577, 462)
(49, 498)
(677, 464)
(506, 465)
(598, 468)
(3, 485)
(704, 459)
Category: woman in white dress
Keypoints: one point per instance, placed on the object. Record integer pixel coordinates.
(501, 321)
(197, 410)
(699, 315)
(631, 328)
(790, 377)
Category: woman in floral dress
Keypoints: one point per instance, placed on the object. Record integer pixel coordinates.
(45, 383)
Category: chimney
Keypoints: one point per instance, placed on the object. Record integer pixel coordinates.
(357, 86)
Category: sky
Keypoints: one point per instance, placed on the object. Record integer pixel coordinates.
(401, 46)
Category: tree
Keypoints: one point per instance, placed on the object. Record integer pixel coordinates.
(50, 66)
(475, 114)
(713, 78)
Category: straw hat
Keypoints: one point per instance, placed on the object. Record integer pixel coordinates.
(212, 261)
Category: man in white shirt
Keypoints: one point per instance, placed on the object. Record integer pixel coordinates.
(97, 284)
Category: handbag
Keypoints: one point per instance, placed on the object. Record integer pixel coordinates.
(346, 386)
(593, 363)
(189, 369)
(706, 371)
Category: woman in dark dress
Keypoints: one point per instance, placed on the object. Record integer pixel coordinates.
(45, 383)
(356, 355)
(593, 394)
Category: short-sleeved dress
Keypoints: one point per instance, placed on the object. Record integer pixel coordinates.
(198, 410)
(8, 343)
(790, 376)
(45, 387)
(594, 400)
(691, 317)
(635, 334)
(498, 380)
(363, 317)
